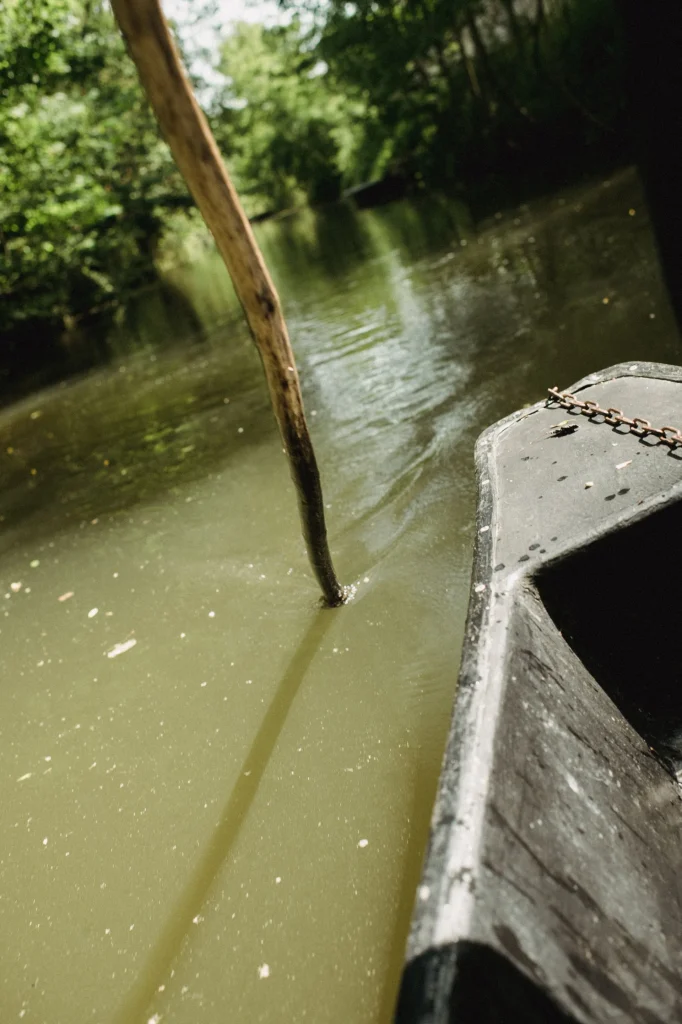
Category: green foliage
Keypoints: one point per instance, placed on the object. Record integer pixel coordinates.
(440, 92)
(287, 134)
(458, 88)
(85, 179)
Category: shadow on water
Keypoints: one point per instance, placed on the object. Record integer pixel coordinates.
(423, 795)
(236, 810)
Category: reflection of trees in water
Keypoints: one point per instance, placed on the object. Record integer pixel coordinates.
(158, 316)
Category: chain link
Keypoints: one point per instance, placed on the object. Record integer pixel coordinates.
(615, 417)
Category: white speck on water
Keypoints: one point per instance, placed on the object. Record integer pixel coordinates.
(45, 841)
(240, 430)
(634, 366)
(115, 575)
(121, 648)
(66, 596)
(479, 588)
(47, 758)
(363, 843)
(15, 587)
(35, 563)
(590, 483)
(92, 613)
(203, 684)
(622, 465)
(248, 682)
(182, 636)
(264, 971)
(23, 778)
(211, 615)
(572, 784)
(156, 1019)
(484, 529)
(198, 919)
(278, 879)
(424, 892)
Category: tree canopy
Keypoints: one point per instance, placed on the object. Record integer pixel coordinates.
(85, 180)
(442, 93)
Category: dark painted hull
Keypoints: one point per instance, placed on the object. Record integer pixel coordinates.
(552, 888)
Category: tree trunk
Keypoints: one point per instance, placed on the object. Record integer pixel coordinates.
(196, 154)
(481, 57)
(472, 77)
(514, 26)
(653, 37)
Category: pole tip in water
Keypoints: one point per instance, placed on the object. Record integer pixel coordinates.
(340, 597)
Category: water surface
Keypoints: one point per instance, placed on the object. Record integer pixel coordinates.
(215, 796)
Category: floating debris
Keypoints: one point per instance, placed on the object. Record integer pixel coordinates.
(15, 587)
(562, 429)
(92, 613)
(121, 648)
(363, 843)
(66, 596)
(35, 563)
(622, 465)
(590, 483)
(264, 971)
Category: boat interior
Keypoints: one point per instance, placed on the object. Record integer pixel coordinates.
(618, 603)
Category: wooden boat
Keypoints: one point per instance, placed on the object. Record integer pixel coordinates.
(552, 887)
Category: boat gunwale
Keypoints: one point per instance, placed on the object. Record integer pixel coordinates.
(472, 696)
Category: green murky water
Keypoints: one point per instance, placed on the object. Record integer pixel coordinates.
(214, 797)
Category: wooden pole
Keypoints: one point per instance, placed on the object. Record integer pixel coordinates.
(196, 154)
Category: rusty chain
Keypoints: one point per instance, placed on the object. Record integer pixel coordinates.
(615, 417)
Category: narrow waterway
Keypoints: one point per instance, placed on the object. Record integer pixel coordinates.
(214, 797)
